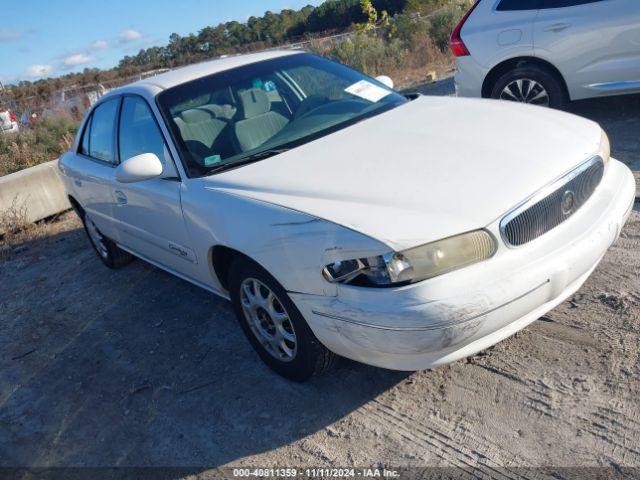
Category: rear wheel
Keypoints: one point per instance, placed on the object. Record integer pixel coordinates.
(273, 325)
(110, 254)
(530, 84)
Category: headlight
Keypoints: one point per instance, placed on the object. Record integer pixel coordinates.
(415, 264)
(605, 147)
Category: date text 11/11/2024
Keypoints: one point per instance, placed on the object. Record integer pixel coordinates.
(315, 473)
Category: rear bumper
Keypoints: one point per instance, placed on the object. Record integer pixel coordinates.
(447, 318)
(469, 77)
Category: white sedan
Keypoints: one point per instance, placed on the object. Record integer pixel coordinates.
(340, 217)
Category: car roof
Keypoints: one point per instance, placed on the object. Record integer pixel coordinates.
(185, 74)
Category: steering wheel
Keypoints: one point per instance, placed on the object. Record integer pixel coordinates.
(310, 103)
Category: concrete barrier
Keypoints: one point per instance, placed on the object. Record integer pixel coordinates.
(38, 191)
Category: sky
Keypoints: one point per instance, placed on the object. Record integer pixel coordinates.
(48, 38)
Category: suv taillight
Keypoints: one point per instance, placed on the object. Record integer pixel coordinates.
(12, 117)
(456, 44)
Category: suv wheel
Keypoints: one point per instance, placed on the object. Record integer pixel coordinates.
(530, 84)
(273, 325)
(110, 254)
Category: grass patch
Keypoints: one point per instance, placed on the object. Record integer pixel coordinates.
(16, 227)
(407, 49)
(32, 146)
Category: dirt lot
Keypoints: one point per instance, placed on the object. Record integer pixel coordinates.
(138, 368)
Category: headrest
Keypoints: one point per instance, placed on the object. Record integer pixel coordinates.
(225, 112)
(196, 115)
(254, 102)
(222, 96)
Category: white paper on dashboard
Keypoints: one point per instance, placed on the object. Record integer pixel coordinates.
(367, 90)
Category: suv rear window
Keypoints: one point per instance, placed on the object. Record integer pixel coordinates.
(545, 4)
(510, 5)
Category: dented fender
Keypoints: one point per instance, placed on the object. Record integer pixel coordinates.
(292, 246)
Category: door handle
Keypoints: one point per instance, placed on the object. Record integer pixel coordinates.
(557, 27)
(78, 182)
(121, 198)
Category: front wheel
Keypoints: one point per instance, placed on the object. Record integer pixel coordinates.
(273, 325)
(530, 84)
(110, 254)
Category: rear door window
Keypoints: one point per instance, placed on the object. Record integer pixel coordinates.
(102, 133)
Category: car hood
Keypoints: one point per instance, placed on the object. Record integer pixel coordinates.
(429, 169)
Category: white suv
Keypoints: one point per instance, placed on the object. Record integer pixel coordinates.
(547, 52)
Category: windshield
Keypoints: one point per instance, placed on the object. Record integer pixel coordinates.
(249, 113)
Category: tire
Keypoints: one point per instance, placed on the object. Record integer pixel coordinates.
(529, 75)
(295, 360)
(106, 249)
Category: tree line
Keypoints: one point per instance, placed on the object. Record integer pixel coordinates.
(259, 32)
(271, 29)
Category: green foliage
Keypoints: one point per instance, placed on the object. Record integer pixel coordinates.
(269, 30)
(227, 38)
(370, 54)
(443, 23)
(46, 141)
(334, 15)
(410, 30)
(425, 6)
(371, 14)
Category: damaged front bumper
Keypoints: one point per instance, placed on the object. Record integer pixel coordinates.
(447, 318)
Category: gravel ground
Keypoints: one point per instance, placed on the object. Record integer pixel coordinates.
(138, 368)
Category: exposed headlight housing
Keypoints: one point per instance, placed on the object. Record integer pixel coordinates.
(605, 147)
(415, 264)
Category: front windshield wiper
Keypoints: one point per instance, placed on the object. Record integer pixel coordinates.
(270, 152)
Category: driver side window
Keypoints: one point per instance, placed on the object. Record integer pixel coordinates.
(139, 133)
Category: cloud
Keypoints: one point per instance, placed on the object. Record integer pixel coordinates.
(35, 71)
(76, 59)
(129, 35)
(99, 45)
(8, 36)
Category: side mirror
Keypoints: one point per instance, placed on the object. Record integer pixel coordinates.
(386, 81)
(139, 168)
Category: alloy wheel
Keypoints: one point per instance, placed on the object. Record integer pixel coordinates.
(268, 319)
(525, 90)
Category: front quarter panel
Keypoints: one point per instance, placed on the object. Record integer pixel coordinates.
(291, 246)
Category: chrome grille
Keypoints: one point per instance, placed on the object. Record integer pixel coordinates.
(553, 205)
